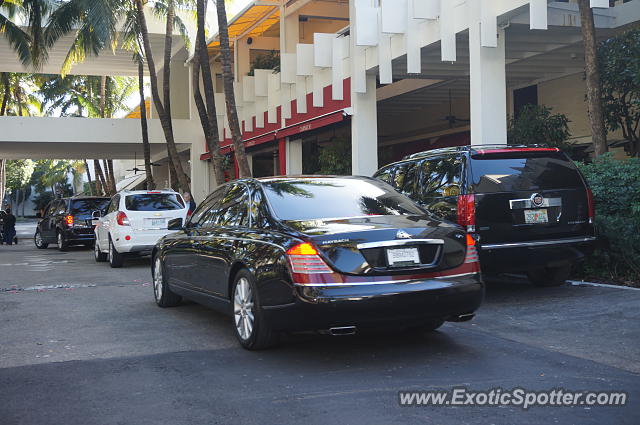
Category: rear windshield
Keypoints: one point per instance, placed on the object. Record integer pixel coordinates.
(508, 173)
(312, 199)
(84, 208)
(154, 202)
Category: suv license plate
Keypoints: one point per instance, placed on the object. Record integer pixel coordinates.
(399, 257)
(157, 222)
(536, 216)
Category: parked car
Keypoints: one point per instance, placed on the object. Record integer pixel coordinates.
(133, 223)
(317, 253)
(528, 207)
(68, 221)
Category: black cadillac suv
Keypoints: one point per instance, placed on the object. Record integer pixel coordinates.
(68, 221)
(528, 208)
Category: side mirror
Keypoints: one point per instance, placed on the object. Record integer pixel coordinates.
(96, 215)
(175, 224)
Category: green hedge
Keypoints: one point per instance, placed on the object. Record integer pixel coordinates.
(616, 189)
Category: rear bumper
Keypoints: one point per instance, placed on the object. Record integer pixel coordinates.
(524, 256)
(141, 242)
(378, 303)
(79, 235)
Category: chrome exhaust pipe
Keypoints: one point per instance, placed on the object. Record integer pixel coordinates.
(342, 331)
(462, 317)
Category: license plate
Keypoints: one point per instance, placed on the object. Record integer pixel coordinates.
(157, 222)
(399, 257)
(536, 216)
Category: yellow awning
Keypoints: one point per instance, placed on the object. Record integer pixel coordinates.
(136, 112)
(253, 22)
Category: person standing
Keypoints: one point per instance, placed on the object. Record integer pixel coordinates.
(9, 231)
(190, 201)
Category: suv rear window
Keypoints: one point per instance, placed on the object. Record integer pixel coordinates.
(83, 208)
(521, 171)
(153, 202)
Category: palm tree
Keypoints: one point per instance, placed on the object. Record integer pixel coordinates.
(30, 46)
(207, 113)
(163, 106)
(230, 100)
(18, 94)
(594, 88)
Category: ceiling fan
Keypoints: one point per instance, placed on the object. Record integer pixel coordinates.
(135, 168)
(452, 119)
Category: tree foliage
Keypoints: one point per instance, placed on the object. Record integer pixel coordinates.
(616, 189)
(620, 75)
(335, 157)
(270, 60)
(538, 125)
(19, 173)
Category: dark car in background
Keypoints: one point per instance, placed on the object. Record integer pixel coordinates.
(528, 208)
(69, 221)
(335, 254)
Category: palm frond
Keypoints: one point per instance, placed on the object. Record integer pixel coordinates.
(19, 40)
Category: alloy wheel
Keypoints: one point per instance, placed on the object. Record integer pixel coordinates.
(96, 250)
(157, 279)
(110, 251)
(243, 310)
(38, 239)
(60, 241)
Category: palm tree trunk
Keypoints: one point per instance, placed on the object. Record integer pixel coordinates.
(112, 177)
(7, 92)
(2, 181)
(103, 95)
(100, 182)
(146, 148)
(165, 119)
(207, 113)
(230, 99)
(86, 168)
(594, 89)
(18, 95)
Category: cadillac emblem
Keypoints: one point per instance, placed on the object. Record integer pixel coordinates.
(402, 235)
(537, 200)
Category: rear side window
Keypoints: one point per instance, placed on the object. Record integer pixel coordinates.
(153, 202)
(84, 208)
(234, 208)
(523, 172)
(440, 177)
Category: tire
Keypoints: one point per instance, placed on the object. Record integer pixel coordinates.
(63, 245)
(428, 326)
(115, 258)
(98, 255)
(249, 322)
(549, 276)
(163, 295)
(38, 241)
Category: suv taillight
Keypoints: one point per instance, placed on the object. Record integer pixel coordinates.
(467, 212)
(122, 219)
(472, 252)
(304, 259)
(591, 205)
(68, 220)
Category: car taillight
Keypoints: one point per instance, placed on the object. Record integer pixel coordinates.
(122, 219)
(68, 219)
(591, 205)
(304, 259)
(467, 212)
(472, 252)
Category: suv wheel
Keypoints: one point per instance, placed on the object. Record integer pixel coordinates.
(115, 258)
(38, 241)
(99, 256)
(251, 328)
(63, 245)
(164, 296)
(549, 276)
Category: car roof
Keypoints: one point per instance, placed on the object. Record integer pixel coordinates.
(304, 177)
(74, 198)
(144, 192)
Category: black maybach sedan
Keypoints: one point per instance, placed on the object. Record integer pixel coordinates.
(332, 254)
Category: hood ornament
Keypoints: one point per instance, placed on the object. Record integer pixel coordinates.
(402, 235)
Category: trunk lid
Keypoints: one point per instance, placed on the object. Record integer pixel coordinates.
(528, 195)
(362, 245)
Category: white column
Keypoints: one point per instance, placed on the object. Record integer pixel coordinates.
(294, 157)
(488, 88)
(364, 130)
(199, 175)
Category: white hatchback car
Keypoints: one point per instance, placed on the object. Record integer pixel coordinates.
(134, 221)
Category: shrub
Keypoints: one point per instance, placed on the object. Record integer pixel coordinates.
(616, 189)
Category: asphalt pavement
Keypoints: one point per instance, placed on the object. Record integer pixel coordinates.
(81, 343)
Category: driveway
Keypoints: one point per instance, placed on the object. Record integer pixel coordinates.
(85, 344)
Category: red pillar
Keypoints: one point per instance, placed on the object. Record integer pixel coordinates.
(282, 153)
